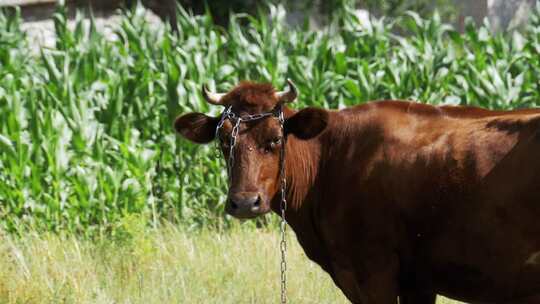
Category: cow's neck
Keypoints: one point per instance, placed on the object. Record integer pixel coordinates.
(302, 171)
(302, 165)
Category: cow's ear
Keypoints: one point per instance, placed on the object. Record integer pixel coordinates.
(196, 127)
(307, 123)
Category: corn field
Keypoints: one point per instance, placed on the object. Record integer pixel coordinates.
(86, 138)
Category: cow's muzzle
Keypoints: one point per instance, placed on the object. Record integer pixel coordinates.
(245, 205)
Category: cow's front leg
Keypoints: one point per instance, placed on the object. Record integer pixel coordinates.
(371, 281)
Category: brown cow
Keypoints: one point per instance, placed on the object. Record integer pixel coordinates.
(392, 198)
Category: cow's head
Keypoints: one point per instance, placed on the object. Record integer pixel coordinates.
(255, 172)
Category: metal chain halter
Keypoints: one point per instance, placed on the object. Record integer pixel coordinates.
(236, 120)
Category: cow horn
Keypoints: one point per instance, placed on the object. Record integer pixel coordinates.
(211, 97)
(289, 95)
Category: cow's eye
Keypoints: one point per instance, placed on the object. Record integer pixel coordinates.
(273, 144)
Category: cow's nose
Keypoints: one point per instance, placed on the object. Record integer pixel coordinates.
(245, 203)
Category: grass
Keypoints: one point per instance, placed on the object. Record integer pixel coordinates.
(168, 265)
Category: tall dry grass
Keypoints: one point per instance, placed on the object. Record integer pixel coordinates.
(167, 265)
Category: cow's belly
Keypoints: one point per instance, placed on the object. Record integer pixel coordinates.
(473, 285)
(461, 282)
(488, 256)
(488, 248)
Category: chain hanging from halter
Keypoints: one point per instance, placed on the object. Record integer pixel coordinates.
(283, 207)
(236, 120)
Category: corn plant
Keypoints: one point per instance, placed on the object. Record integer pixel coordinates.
(85, 127)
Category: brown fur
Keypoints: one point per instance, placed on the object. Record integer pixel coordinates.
(251, 97)
(399, 199)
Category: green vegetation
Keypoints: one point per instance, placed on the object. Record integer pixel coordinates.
(220, 9)
(167, 265)
(87, 146)
(85, 127)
